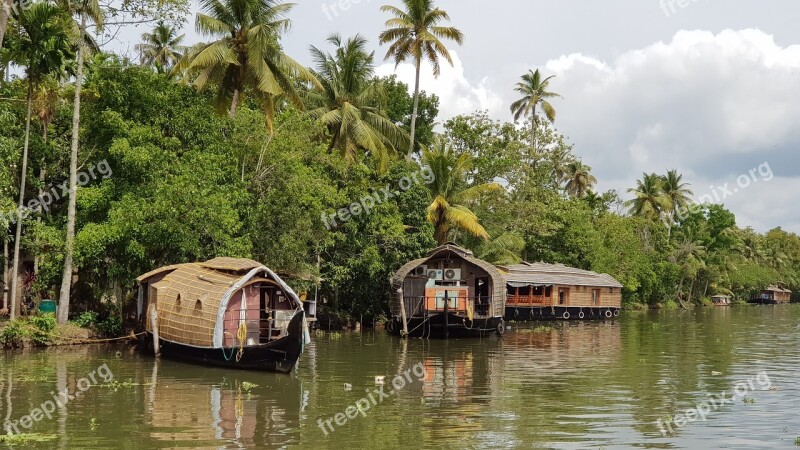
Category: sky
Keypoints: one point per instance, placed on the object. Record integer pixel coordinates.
(708, 87)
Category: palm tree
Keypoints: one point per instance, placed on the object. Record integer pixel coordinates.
(678, 193)
(415, 34)
(161, 48)
(649, 200)
(245, 55)
(504, 248)
(578, 178)
(43, 46)
(534, 95)
(691, 255)
(348, 104)
(86, 10)
(452, 194)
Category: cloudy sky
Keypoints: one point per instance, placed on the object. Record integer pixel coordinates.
(709, 87)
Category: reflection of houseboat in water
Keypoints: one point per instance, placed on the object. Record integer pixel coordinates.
(230, 312)
(215, 412)
(773, 295)
(555, 291)
(447, 293)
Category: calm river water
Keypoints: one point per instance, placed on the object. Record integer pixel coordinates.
(542, 385)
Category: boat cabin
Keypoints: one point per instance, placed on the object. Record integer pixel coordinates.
(721, 300)
(207, 310)
(447, 291)
(555, 291)
(773, 295)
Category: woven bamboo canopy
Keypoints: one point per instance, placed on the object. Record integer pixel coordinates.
(191, 299)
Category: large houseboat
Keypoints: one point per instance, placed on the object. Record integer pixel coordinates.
(554, 291)
(773, 295)
(228, 312)
(447, 293)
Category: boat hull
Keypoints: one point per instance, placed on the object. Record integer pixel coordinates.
(435, 326)
(280, 355)
(523, 313)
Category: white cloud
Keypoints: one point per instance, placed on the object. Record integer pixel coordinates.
(711, 105)
(457, 95)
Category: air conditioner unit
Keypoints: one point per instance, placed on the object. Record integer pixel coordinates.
(452, 274)
(421, 271)
(435, 274)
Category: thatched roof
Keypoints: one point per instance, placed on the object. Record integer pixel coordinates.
(192, 298)
(556, 274)
(775, 288)
(399, 277)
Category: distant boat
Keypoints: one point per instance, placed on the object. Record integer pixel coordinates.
(721, 300)
(227, 312)
(773, 295)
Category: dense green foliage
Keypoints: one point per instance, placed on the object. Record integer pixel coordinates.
(168, 180)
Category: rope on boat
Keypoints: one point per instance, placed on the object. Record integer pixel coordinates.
(241, 336)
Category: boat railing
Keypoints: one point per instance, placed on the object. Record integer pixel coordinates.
(528, 300)
(480, 306)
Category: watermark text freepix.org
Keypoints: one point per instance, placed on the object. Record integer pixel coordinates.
(702, 409)
(366, 204)
(331, 9)
(718, 194)
(373, 398)
(53, 193)
(60, 400)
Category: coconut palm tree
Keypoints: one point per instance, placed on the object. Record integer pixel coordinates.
(452, 194)
(161, 48)
(649, 199)
(245, 54)
(348, 104)
(578, 178)
(678, 194)
(86, 10)
(505, 248)
(415, 34)
(534, 95)
(43, 46)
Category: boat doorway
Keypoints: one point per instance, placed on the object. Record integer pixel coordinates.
(482, 296)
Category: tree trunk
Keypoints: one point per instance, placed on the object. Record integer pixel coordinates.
(414, 112)
(5, 277)
(234, 103)
(66, 276)
(23, 179)
(5, 13)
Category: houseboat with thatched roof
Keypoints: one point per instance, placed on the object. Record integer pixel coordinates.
(229, 312)
(773, 295)
(449, 292)
(554, 291)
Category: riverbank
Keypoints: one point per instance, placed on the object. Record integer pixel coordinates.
(43, 331)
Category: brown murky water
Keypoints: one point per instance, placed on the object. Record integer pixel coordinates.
(546, 385)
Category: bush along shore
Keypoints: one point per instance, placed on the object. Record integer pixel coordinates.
(41, 330)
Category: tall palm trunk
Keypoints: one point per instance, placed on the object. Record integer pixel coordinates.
(4, 309)
(5, 13)
(23, 180)
(66, 276)
(415, 111)
(234, 103)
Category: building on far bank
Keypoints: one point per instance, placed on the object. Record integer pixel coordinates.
(773, 295)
